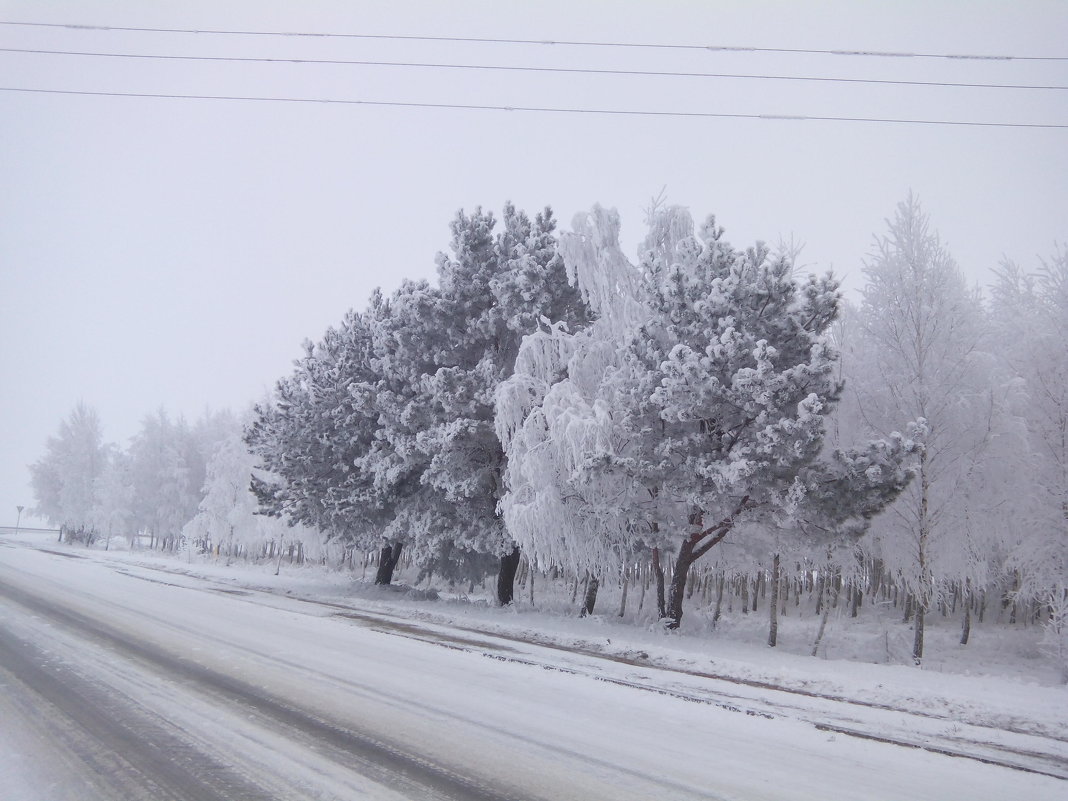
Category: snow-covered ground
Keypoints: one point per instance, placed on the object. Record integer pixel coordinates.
(582, 708)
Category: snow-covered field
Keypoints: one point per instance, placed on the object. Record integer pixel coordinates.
(517, 702)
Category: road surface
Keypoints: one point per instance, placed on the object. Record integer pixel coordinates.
(121, 682)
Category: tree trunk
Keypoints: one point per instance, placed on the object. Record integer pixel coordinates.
(589, 600)
(773, 603)
(658, 571)
(822, 629)
(719, 600)
(917, 640)
(387, 562)
(678, 583)
(643, 581)
(623, 594)
(506, 577)
(926, 585)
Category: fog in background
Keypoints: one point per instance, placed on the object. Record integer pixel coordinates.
(175, 252)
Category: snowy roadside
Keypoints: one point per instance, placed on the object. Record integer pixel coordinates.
(1016, 691)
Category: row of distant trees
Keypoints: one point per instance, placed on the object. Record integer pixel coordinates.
(546, 398)
(94, 489)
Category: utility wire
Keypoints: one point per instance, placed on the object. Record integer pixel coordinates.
(487, 40)
(507, 68)
(540, 109)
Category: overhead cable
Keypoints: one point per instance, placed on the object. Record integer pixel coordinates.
(540, 109)
(510, 68)
(549, 42)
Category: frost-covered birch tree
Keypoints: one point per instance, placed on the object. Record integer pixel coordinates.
(693, 404)
(166, 471)
(228, 517)
(227, 512)
(1030, 312)
(63, 480)
(113, 496)
(923, 352)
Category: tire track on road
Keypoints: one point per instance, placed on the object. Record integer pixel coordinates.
(133, 753)
(383, 762)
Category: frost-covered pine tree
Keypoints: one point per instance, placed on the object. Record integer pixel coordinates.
(314, 436)
(405, 340)
(693, 404)
(493, 289)
(385, 435)
(441, 353)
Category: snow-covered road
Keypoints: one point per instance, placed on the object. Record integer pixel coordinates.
(123, 682)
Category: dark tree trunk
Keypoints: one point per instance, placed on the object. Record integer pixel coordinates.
(589, 600)
(678, 583)
(918, 627)
(506, 577)
(691, 549)
(773, 604)
(966, 602)
(658, 571)
(387, 562)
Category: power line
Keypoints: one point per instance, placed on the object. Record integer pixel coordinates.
(540, 109)
(509, 68)
(548, 42)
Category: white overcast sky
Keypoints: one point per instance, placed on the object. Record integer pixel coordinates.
(175, 252)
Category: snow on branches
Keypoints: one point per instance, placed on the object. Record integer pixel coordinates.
(694, 402)
(386, 430)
